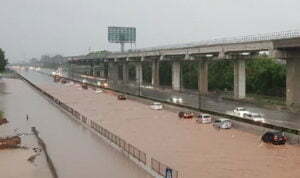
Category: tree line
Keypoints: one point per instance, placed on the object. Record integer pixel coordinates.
(3, 60)
(48, 61)
(264, 76)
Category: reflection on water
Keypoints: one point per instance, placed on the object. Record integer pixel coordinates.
(76, 152)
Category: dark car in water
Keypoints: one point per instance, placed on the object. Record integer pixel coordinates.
(274, 137)
(185, 115)
(63, 81)
(121, 97)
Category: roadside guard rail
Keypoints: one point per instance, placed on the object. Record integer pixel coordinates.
(128, 148)
(161, 168)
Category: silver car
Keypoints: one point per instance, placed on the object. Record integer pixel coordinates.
(222, 123)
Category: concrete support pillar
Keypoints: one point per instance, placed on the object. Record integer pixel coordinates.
(203, 77)
(105, 70)
(155, 73)
(112, 72)
(116, 72)
(293, 82)
(176, 75)
(239, 79)
(95, 71)
(99, 70)
(91, 73)
(139, 73)
(125, 71)
(70, 70)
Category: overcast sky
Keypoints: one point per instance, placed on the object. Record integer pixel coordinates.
(30, 28)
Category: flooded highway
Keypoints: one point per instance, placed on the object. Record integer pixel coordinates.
(195, 150)
(75, 150)
(212, 103)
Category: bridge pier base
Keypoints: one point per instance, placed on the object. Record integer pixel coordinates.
(203, 78)
(239, 79)
(176, 75)
(139, 73)
(293, 82)
(155, 73)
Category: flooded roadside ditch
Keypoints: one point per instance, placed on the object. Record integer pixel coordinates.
(76, 152)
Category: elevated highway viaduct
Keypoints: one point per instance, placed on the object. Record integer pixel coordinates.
(284, 45)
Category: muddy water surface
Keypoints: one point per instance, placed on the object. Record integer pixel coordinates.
(195, 150)
(76, 151)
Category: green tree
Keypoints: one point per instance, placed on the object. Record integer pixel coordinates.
(165, 73)
(189, 74)
(3, 61)
(147, 72)
(266, 77)
(131, 72)
(220, 75)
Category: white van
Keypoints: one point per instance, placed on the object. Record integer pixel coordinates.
(204, 118)
(156, 106)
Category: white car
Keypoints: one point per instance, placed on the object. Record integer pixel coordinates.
(222, 123)
(156, 106)
(176, 100)
(255, 117)
(204, 118)
(240, 111)
(98, 91)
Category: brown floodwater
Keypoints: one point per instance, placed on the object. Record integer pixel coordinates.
(75, 150)
(195, 150)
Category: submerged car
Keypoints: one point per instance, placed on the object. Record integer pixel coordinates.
(274, 137)
(102, 84)
(185, 115)
(56, 78)
(122, 97)
(156, 106)
(222, 123)
(255, 117)
(204, 118)
(63, 81)
(84, 84)
(240, 111)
